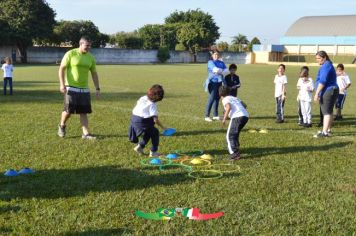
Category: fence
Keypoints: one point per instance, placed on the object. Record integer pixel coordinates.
(124, 56)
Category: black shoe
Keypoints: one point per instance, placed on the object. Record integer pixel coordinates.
(235, 156)
(306, 125)
(338, 118)
(300, 124)
(279, 121)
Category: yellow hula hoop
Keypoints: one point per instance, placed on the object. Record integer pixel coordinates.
(219, 174)
(216, 166)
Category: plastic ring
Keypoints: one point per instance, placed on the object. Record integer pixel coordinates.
(206, 161)
(188, 168)
(237, 168)
(219, 174)
(190, 153)
(145, 162)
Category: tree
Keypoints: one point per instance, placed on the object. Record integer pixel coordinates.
(240, 40)
(156, 35)
(254, 41)
(223, 46)
(28, 20)
(70, 32)
(195, 29)
(150, 35)
(127, 40)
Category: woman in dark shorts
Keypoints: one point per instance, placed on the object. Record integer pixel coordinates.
(327, 92)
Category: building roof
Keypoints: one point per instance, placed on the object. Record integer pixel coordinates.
(344, 25)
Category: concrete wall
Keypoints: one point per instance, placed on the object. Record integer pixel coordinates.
(125, 56)
(312, 49)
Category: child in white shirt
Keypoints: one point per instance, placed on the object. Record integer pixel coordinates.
(280, 81)
(306, 87)
(344, 82)
(143, 119)
(7, 68)
(235, 109)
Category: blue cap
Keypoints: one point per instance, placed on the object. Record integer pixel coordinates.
(11, 173)
(26, 171)
(172, 156)
(155, 161)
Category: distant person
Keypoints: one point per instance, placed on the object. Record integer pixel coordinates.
(73, 78)
(235, 109)
(326, 93)
(306, 87)
(8, 69)
(300, 115)
(344, 82)
(216, 71)
(280, 81)
(143, 119)
(233, 80)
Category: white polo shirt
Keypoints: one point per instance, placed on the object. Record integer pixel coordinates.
(145, 108)
(279, 81)
(237, 109)
(343, 81)
(305, 89)
(8, 69)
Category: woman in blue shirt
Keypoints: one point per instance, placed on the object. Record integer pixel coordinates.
(327, 91)
(216, 71)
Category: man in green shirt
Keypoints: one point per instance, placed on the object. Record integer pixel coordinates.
(73, 80)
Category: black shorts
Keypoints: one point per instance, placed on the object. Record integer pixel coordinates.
(340, 101)
(328, 100)
(77, 102)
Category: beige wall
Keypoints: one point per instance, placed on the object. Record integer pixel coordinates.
(312, 49)
(261, 57)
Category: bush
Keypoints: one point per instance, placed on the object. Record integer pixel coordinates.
(180, 47)
(163, 54)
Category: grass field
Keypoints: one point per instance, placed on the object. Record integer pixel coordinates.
(289, 183)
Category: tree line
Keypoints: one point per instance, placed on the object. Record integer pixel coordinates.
(24, 23)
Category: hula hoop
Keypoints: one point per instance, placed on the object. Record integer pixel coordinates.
(237, 168)
(145, 162)
(192, 165)
(190, 153)
(219, 174)
(188, 168)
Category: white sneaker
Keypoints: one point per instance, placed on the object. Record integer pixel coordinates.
(139, 150)
(216, 118)
(208, 119)
(88, 136)
(154, 154)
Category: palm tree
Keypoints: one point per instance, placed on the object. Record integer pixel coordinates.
(240, 40)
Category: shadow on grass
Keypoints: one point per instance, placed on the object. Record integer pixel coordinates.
(101, 232)
(63, 183)
(199, 132)
(249, 153)
(5, 231)
(9, 208)
(345, 122)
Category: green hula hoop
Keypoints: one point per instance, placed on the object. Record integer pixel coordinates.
(188, 168)
(190, 153)
(216, 166)
(145, 161)
(219, 174)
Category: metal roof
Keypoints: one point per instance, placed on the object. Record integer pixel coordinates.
(344, 25)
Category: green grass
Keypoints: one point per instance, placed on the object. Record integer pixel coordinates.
(289, 184)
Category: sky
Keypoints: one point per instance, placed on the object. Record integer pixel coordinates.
(266, 19)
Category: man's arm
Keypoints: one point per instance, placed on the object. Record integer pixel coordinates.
(61, 75)
(95, 78)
